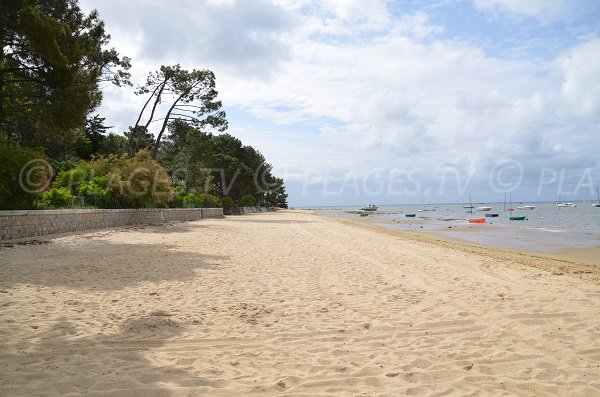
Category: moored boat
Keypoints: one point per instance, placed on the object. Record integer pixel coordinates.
(491, 215)
(526, 207)
(410, 215)
(517, 218)
(483, 208)
(561, 204)
(565, 205)
(476, 220)
(510, 208)
(370, 207)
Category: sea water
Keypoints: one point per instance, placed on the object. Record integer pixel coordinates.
(547, 228)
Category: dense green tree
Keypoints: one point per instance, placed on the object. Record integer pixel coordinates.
(185, 154)
(190, 96)
(220, 165)
(24, 174)
(94, 135)
(52, 62)
(138, 138)
(276, 195)
(113, 144)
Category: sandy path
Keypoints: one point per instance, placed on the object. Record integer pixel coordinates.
(288, 304)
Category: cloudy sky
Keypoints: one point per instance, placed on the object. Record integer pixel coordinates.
(388, 101)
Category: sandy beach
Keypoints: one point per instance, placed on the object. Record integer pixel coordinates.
(292, 304)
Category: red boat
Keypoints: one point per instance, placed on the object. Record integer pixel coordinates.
(476, 220)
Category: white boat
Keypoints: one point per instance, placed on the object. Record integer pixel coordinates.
(370, 207)
(598, 203)
(526, 207)
(483, 208)
(563, 205)
(560, 203)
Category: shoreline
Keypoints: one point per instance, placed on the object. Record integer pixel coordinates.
(548, 230)
(579, 262)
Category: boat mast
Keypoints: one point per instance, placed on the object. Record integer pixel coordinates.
(470, 204)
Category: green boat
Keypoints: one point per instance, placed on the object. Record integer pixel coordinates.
(517, 218)
(410, 215)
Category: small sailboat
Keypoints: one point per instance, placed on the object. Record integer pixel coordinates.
(484, 208)
(510, 208)
(560, 204)
(517, 218)
(474, 220)
(410, 215)
(598, 203)
(491, 215)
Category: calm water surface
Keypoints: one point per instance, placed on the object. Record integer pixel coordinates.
(548, 228)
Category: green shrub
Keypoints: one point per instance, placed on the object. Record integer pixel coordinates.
(73, 177)
(209, 201)
(57, 197)
(248, 201)
(186, 200)
(227, 202)
(134, 181)
(94, 189)
(62, 165)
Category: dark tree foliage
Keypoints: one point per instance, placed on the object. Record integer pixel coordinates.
(113, 144)
(184, 154)
(94, 135)
(220, 165)
(52, 63)
(138, 138)
(22, 176)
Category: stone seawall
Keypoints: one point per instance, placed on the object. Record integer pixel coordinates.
(245, 210)
(22, 224)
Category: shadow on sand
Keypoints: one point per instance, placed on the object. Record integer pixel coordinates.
(59, 362)
(102, 265)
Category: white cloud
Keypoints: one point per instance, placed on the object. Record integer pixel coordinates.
(244, 37)
(373, 12)
(416, 25)
(370, 90)
(581, 86)
(541, 9)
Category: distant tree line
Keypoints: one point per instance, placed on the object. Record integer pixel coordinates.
(55, 60)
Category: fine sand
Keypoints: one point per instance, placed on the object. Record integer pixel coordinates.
(290, 303)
